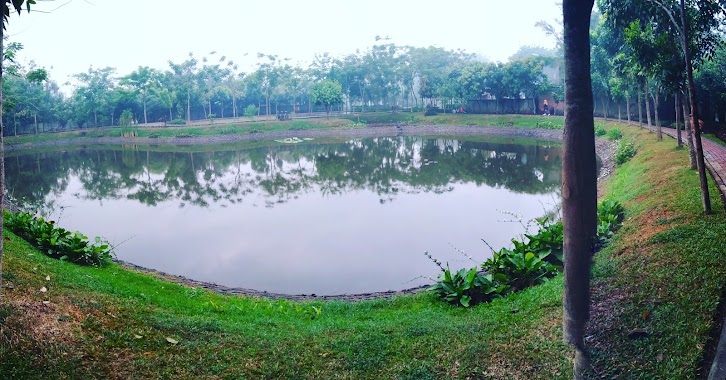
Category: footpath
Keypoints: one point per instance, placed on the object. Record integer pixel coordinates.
(715, 157)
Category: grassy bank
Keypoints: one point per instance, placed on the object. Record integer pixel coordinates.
(661, 280)
(114, 323)
(351, 121)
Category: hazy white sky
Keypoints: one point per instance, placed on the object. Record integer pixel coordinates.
(126, 34)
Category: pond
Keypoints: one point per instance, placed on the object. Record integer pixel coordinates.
(324, 217)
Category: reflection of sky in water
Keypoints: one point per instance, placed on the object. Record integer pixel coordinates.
(313, 242)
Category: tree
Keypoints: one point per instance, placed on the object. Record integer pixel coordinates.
(142, 80)
(94, 92)
(17, 5)
(579, 178)
(698, 36)
(184, 74)
(251, 111)
(327, 93)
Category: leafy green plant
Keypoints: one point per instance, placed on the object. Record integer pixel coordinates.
(615, 134)
(600, 130)
(154, 135)
(610, 215)
(467, 287)
(184, 135)
(430, 111)
(58, 242)
(528, 263)
(624, 153)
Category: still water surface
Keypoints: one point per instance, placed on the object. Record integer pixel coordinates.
(326, 218)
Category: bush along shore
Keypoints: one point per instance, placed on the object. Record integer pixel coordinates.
(528, 263)
(57, 242)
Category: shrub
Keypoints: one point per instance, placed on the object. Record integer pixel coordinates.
(610, 215)
(430, 111)
(467, 287)
(184, 135)
(250, 111)
(177, 122)
(154, 135)
(547, 125)
(624, 153)
(228, 131)
(528, 264)
(600, 130)
(615, 134)
(58, 242)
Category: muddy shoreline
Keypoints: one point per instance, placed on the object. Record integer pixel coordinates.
(605, 149)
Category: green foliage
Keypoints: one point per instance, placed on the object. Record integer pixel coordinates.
(430, 111)
(467, 286)
(177, 122)
(326, 92)
(154, 135)
(600, 130)
(549, 125)
(126, 118)
(58, 242)
(184, 135)
(624, 153)
(610, 215)
(615, 134)
(250, 111)
(521, 270)
(527, 264)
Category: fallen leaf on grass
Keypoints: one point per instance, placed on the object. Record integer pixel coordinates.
(43, 289)
(172, 341)
(46, 302)
(646, 314)
(137, 336)
(47, 278)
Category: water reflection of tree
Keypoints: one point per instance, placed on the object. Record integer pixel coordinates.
(385, 166)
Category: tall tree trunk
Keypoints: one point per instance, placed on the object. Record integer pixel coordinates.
(689, 135)
(143, 100)
(705, 197)
(579, 178)
(627, 107)
(35, 122)
(678, 119)
(620, 115)
(189, 103)
(640, 106)
(655, 110)
(2, 160)
(647, 104)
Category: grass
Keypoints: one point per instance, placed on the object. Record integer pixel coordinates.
(665, 269)
(663, 273)
(714, 138)
(351, 121)
(117, 321)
